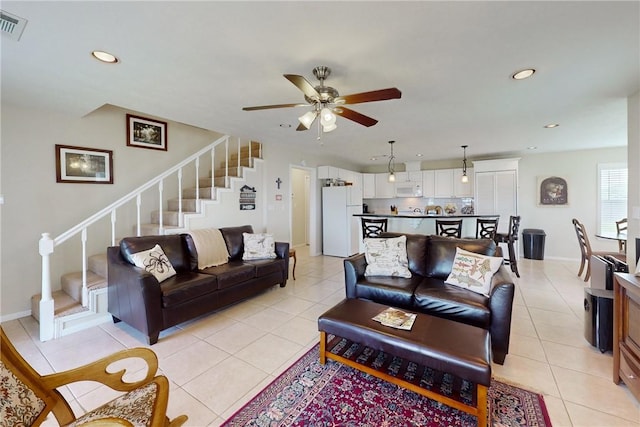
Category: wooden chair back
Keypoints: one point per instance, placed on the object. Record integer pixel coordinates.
(449, 228)
(372, 227)
(486, 228)
(622, 226)
(28, 397)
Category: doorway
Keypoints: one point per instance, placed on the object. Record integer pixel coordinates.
(303, 224)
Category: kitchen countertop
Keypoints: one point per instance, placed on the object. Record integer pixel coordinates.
(422, 216)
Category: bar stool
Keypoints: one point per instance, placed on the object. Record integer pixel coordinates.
(449, 228)
(373, 227)
(292, 254)
(486, 228)
(510, 238)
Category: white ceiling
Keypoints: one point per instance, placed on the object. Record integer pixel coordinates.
(200, 62)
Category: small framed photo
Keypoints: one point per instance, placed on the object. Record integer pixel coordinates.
(83, 165)
(146, 133)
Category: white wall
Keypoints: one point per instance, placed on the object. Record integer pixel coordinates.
(633, 232)
(579, 168)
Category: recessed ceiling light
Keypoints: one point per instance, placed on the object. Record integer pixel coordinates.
(532, 147)
(523, 74)
(104, 56)
(285, 125)
(551, 125)
(419, 155)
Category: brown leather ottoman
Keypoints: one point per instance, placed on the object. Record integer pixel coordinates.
(441, 344)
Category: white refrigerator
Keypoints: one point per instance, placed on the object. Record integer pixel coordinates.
(340, 229)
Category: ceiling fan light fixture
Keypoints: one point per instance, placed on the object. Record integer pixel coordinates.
(329, 128)
(307, 119)
(327, 117)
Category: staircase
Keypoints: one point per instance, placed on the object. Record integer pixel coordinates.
(81, 301)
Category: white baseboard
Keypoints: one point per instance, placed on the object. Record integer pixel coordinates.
(14, 316)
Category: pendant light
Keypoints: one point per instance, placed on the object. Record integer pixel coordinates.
(465, 178)
(392, 164)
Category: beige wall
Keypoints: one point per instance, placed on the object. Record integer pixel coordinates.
(633, 111)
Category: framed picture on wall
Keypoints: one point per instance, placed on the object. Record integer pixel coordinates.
(553, 191)
(83, 165)
(146, 133)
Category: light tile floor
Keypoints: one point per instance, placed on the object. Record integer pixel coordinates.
(218, 362)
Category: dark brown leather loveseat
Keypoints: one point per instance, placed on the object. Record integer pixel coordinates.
(430, 262)
(136, 297)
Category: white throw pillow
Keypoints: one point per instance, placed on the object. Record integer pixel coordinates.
(258, 246)
(155, 262)
(473, 271)
(386, 257)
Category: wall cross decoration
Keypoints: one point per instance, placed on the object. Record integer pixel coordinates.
(278, 181)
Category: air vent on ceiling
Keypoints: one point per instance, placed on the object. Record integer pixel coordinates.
(11, 26)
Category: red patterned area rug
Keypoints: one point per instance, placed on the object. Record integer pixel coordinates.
(310, 394)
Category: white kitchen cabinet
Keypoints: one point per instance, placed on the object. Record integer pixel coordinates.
(355, 178)
(384, 188)
(496, 193)
(462, 189)
(444, 183)
(368, 185)
(428, 183)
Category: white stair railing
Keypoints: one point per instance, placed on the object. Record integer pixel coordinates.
(47, 244)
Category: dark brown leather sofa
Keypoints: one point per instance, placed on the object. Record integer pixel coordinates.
(430, 262)
(136, 297)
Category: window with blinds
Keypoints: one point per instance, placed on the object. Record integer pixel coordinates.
(612, 195)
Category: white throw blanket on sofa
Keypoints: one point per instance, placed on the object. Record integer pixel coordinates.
(212, 250)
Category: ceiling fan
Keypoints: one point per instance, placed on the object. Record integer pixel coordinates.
(327, 102)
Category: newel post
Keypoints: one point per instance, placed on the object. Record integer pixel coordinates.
(46, 300)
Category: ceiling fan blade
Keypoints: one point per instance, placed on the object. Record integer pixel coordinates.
(374, 95)
(304, 85)
(266, 107)
(301, 127)
(355, 116)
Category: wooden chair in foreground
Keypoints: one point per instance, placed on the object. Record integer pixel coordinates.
(449, 228)
(28, 397)
(585, 249)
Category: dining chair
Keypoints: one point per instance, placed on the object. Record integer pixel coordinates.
(586, 252)
(449, 228)
(622, 226)
(486, 228)
(372, 227)
(28, 397)
(509, 238)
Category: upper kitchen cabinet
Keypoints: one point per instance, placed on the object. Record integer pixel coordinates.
(384, 188)
(428, 183)
(462, 189)
(443, 179)
(328, 172)
(368, 185)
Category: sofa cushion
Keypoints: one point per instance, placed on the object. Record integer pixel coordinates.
(416, 251)
(234, 240)
(258, 246)
(442, 251)
(386, 257)
(154, 261)
(435, 297)
(267, 266)
(186, 286)
(394, 291)
(174, 246)
(473, 271)
(232, 273)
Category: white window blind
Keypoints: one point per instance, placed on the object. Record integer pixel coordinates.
(612, 196)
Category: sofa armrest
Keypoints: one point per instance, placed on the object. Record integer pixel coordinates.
(354, 268)
(501, 305)
(134, 294)
(282, 252)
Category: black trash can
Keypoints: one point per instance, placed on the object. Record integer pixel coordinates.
(533, 240)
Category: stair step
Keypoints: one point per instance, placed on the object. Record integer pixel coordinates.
(98, 264)
(205, 192)
(244, 151)
(63, 305)
(72, 283)
(168, 218)
(233, 171)
(233, 161)
(154, 229)
(208, 182)
(188, 204)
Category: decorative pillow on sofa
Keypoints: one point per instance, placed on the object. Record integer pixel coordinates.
(258, 246)
(473, 271)
(386, 257)
(155, 262)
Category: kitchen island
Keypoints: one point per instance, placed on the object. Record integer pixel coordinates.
(419, 223)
